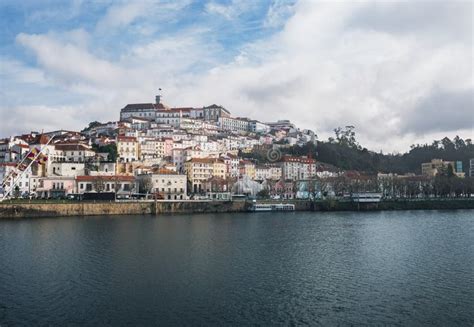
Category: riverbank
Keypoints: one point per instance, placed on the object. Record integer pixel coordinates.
(60, 209)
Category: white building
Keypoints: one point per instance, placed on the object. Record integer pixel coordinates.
(272, 172)
(172, 116)
(152, 148)
(74, 152)
(233, 124)
(214, 112)
(257, 127)
(298, 168)
(168, 184)
(138, 110)
(127, 148)
(13, 176)
(112, 183)
(68, 169)
(13, 149)
(103, 168)
(262, 173)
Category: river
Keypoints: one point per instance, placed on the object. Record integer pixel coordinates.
(300, 268)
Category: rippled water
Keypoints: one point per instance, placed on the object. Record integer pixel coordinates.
(399, 268)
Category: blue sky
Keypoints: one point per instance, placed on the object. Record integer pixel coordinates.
(320, 64)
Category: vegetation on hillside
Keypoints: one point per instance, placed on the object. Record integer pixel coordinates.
(111, 149)
(344, 152)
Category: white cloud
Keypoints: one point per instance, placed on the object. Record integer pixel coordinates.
(70, 63)
(230, 11)
(322, 74)
(278, 12)
(122, 14)
(327, 67)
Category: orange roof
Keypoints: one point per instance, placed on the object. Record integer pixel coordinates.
(164, 171)
(124, 138)
(202, 160)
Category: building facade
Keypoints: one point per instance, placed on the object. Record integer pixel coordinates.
(127, 148)
(168, 184)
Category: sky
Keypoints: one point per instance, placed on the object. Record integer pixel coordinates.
(401, 72)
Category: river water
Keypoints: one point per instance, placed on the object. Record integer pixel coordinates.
(399, 268)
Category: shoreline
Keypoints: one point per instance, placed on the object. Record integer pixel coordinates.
(64, 209)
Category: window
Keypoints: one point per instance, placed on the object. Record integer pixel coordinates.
(81, 186)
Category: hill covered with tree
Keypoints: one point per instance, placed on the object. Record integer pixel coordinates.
(345, 152)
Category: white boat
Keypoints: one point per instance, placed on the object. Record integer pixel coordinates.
(366, 197)
(261, 207)
(273, 207)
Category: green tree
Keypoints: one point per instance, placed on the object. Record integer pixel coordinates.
(92, 125)
(111, 149)
(16, 192)
(263, 194)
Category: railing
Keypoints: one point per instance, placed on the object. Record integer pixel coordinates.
(16, 179)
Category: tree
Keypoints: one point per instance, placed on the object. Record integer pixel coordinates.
(99, 184)
(92, 125)
(16, 192)
(346, 136)
(111, 149)
(263, 194)
(145, 185)
(447, 143)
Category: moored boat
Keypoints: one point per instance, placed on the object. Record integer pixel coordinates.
(273, 207)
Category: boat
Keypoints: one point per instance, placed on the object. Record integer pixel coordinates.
(273, 207)
(366, 197)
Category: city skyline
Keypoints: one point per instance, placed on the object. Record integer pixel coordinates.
(319, 64)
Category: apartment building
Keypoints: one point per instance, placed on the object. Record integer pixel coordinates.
(298, 168)
(168, 184)
(127, 148)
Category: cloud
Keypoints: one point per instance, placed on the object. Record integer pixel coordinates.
(322, 72)
(122, 14)
(231, 11)
(326, 64)
(278, 12)
(441, 111)
(70, 63)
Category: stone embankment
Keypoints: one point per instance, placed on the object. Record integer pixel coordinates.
(62, 209)
(33, 210)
